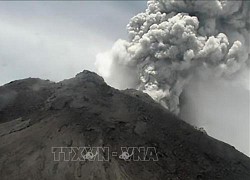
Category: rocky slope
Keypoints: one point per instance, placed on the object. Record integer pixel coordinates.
(36, 115)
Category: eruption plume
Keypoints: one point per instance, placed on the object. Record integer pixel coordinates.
(174, 40)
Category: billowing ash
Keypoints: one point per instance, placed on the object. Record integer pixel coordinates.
(175, 40)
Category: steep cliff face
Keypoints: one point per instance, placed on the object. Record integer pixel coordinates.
(37, 115)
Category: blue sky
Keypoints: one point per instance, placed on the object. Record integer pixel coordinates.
(55, 40)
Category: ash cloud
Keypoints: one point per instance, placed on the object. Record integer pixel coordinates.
(172, 40)
(175, 41)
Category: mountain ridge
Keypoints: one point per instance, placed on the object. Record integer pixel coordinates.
(37, 115)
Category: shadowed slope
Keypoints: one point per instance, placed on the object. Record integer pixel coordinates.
(84, 111)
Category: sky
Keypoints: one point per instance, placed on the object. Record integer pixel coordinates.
(56, 40)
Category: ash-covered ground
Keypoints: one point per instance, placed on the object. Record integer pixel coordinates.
(37, 115)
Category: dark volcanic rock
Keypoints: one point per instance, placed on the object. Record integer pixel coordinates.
(36, 115)
(23, 97)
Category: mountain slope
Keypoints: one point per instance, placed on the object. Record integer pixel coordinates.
(36, 115)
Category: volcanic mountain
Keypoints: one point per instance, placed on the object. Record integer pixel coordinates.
(38, 115)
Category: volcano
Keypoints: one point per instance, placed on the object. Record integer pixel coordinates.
(37, 116)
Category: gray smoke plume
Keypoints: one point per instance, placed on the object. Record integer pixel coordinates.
(175, 39)
(176, 46)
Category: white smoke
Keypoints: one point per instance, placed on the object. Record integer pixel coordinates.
(174, 41)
